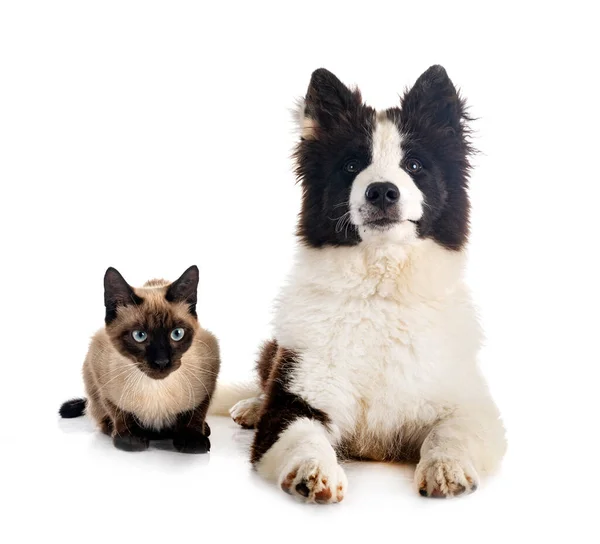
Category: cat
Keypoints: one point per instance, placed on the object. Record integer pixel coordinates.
(151, 371)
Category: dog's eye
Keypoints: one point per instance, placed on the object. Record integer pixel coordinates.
(413, 166)
(177, 334)
(139, 336)
(351, 166)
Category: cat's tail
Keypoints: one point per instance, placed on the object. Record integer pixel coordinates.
(72, 408)
(227, 395)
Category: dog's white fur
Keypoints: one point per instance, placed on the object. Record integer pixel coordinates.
(303, 453)
(388, 341)
(386, 166)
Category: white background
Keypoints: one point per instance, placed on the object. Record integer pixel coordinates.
(152, 136)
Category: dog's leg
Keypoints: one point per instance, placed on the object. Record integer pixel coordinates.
(293, 444)
(456, 449)
(302, 461)
(246, 413)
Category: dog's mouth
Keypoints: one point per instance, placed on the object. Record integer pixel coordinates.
(383, 220)
(385, 223)
(382, 223)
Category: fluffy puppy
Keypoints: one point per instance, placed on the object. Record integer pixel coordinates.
(374, 351)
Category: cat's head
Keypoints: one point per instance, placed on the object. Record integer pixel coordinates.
(153, 325)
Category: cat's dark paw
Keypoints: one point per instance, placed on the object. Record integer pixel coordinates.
(130, 443)
(206, 429)
(191, 443)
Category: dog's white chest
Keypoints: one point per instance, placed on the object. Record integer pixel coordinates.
(360, 362)
(374, 348)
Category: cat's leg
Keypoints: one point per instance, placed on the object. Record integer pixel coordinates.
(246, 413)
(293, 444)
(95, 409)
(191, 431)
(126, 432)
(457, 450)
(94, 406)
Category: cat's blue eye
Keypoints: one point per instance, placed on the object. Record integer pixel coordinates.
(139, 336)
(177, 334)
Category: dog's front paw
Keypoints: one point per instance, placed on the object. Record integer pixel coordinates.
(191, 443)
(314, 481)
(129, 442)
(246, 412)
(443, 476)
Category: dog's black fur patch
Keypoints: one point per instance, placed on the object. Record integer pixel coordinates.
(433, 121)
(281, 407)
(342, 132)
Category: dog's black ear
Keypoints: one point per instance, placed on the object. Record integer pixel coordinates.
(117, 292)
(185, 289)
(433, 100)
(327, 101)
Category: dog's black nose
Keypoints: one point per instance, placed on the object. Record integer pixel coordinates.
(382, 194)
(162, 363)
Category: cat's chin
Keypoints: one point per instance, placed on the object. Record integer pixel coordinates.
(159, 374)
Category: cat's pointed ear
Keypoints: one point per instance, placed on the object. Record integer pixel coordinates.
(117, 292)
(433, 100)
(327, 101)
(185, 289)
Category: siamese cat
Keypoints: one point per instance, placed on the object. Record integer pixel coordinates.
(151, 371)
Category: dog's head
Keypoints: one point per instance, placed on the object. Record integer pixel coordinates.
(396, 175)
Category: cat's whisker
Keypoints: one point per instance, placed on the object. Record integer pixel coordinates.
(130, 390)
(124, 398)
(123, 371)
(206, 370)
(205, 345)
(201, 382)
(116, 369)
(191, 396)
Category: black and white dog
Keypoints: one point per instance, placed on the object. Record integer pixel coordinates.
(376, 339)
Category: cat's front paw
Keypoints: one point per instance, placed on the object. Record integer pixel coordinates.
(444, 476)
(191, 443)
(128, 442)
(315, 481)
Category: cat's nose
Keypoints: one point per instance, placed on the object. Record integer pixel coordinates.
(162, 363)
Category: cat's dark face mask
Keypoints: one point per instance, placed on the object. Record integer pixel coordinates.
(153, 326)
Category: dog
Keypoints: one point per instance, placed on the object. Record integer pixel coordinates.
(374, 353)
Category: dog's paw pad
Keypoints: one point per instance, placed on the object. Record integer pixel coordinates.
(442, 477)
(312, 481)
(246, 412)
